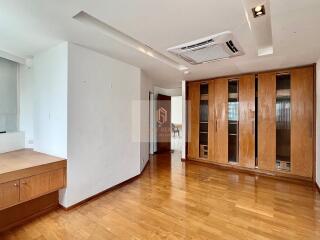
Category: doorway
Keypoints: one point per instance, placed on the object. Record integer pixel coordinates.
(163, 123)
(176, 123)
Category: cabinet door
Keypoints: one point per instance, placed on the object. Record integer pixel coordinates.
(211, 121)
(247, 121)
(41, 184)
(221, 120)
(9, 194)
(267, 121)
(302, 128)
(193, 119)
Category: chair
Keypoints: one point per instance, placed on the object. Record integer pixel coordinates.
(175, 130)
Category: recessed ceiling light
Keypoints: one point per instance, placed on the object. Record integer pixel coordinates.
(258, 11)
(186, 72)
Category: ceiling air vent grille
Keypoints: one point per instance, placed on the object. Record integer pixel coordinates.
(201, 44)
(231, 46)
(212, 48)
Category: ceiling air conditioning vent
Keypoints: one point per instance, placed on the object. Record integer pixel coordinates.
(212, 48)
(231, 46)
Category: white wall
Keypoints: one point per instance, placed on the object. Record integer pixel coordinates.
(318, 124)
(11, 141)
(101, 151)
(176, 109)
(26, 103)
(145, 88)
(50, 100)
(168, 92)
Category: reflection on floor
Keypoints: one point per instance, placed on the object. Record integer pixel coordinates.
(178, 200)
(176, 142)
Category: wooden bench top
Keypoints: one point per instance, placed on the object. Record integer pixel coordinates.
(24, 163)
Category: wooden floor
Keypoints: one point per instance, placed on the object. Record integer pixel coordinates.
(176, 200)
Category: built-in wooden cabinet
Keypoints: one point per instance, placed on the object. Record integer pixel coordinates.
(29, 184)
(193, 118)
(9, 194)
(263, 122)
(35, 186)
(221, 121)
(302, 127)
(211, 120)
(247, 121)
(21, 190)
(266, 121)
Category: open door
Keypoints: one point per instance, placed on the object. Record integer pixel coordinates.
(163, 123)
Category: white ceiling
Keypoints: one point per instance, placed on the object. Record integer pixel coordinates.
(28, 27)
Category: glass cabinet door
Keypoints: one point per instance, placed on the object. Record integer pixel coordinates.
(283, 122)
(233, 120)
(203, 129)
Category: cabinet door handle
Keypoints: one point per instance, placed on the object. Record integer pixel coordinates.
(216, 125)
(16, 185)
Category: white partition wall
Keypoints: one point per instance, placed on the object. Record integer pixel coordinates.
(82, 105)
(50, 87)
(101, 150)
(184, 121)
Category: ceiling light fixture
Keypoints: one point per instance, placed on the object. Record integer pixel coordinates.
(110, 31)
(258, 11)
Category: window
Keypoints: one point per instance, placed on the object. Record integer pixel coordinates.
(8, 96)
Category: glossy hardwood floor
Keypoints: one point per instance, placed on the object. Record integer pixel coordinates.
(176, 200)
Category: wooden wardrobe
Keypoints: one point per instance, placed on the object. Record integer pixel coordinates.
(260, 122)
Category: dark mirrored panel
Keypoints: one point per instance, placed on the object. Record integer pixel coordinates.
(283, 122)
(233, 120)
(204, 115)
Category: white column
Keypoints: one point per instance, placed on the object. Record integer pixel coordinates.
(184, 120)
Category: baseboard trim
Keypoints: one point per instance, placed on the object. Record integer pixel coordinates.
(96, 196)
(255, 172)
(147, 163)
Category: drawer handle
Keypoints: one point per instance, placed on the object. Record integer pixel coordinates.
(16, 185)
(24, 183)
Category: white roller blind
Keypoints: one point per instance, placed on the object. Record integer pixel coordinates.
(8, 96)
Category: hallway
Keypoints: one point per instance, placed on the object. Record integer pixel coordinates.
(177, 200)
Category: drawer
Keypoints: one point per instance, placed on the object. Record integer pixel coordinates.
(35, 186)
(9, 194)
